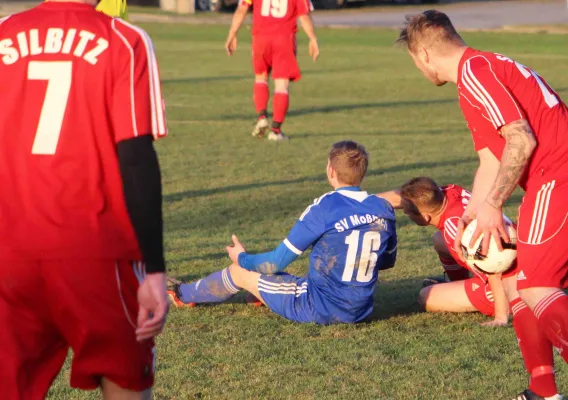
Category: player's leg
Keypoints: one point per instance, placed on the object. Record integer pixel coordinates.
(111, 391)
(97, 312)
(285, 70)
(535, 347)
(453, 270)
(261, 67)
(32, 350)
(280, 104)
(446, 297)
(214, 288)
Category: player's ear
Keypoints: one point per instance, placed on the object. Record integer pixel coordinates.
(427, 217)
(423, 55)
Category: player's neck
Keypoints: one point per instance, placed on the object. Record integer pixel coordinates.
(339, 186)
(450, 64)
(438, 215)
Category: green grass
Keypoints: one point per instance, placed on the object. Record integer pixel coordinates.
(218, 180)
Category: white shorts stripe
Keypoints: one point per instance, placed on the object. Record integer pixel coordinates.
(540, 213)
(543, 304)
(280, 285)
(292, 248)
(118, 285)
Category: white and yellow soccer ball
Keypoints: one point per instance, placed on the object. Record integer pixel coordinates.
(495, 261)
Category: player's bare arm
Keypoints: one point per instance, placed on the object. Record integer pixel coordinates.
(308, 27)
(519, 146)
(500, 300)
(238, 19)
(393, 197)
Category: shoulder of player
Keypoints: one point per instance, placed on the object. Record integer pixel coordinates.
(131, 35)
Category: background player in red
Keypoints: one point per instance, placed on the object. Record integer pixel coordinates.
(81, 105)
(428, 204)
(520, 129)
(273, 52)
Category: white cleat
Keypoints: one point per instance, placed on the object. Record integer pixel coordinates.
(277, 137)
(261, 128)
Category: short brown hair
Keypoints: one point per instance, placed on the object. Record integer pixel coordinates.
(350, 160)
(424, 193)
(428, 28)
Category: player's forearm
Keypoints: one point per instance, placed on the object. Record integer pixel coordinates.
(271, 262)
(484, 178)
(142, 186)
(500, 299)
(308, 26)
(520, 144)
(238, 19)
(393, 197)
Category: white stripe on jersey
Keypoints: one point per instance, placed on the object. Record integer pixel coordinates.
(292, 248)
(315, 203)
(157, 112)
(480, 94)
(132, 100)
(451, 229)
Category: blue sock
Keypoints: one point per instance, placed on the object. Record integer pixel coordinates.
(215, 288)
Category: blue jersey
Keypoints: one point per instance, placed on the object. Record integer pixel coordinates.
(353, 235)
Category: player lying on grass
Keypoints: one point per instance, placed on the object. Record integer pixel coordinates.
(428, 204)
(353, 237)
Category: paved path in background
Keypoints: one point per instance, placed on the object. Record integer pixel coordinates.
(468, 15)
(475, 15)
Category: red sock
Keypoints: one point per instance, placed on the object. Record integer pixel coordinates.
(260, 97)
(535, 348)
(552, 314)
(280, 106)
(454, 271)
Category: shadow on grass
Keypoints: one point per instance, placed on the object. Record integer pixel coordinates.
(316, 178)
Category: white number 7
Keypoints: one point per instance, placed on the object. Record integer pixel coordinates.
(58, 77)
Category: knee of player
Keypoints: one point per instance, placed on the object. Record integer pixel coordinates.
(423, 298)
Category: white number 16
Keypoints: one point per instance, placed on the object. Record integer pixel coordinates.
(58, 77)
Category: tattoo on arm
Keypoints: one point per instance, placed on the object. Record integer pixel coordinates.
(518, 150)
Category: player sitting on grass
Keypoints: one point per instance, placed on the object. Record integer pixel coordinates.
(428, 204)
(353, 236)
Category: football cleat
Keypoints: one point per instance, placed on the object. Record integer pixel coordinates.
(277, 137)
(529, 395)
(433, 280)
(261, 128)
(174, 294)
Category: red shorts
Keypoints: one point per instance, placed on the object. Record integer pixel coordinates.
(480, 295)
(542, 249)
(276, 55)
(91, 306)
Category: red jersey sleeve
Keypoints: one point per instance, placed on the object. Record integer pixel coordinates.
(137, 102)
(482, 86)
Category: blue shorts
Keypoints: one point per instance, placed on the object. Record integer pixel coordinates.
(288, 296)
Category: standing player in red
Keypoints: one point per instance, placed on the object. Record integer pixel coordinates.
(428, 204)
(81, 203)
(520, 130)
(273, 52)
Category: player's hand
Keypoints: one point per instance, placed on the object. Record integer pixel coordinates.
(496, 322)
(153, 306)
(234, 250)
(231, 44)
(489, 223)
(314, 50)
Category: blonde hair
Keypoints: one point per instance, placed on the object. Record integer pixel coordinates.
(350, 160)
(424, 193)
(428, 29)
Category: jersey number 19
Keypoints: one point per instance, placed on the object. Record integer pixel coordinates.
(367, 259)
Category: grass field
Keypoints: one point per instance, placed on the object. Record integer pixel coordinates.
(218, 180)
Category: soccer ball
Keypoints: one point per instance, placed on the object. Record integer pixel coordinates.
(496, 261)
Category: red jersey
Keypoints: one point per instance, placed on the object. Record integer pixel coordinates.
(494, 91)
(277, 17)
(74, 83)
(457, 200)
